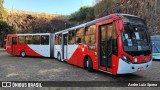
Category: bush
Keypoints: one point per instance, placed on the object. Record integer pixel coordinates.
(84, 14)
(5, 29)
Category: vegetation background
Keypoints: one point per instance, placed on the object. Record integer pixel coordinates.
(15, 21)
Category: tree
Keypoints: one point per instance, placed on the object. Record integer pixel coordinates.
(2, 11)
(1, 3)
(5, 29)
(84, 14)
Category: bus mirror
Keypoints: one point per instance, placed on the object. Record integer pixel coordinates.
(121, 25)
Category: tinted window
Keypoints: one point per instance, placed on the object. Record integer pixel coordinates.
(14, 40)
(71, 38)
(9, 39)
(90, 34)
(109, 39)
(80, 35)
(36, 39)
(114, 41)
(90, 30)
(58, 39)
(135, 36)
(45, 40)
(65, 39)
(21, 40)
(28, 39)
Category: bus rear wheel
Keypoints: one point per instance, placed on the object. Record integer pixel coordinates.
(88, 64)
(23, 53)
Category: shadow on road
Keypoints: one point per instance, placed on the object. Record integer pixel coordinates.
(122, 77)
(156, 59)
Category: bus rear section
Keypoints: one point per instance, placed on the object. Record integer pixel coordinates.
(30, 44)
(117, 44)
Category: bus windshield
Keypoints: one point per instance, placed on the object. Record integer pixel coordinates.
(135, 36)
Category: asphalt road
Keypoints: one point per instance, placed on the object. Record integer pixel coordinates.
(15, 68)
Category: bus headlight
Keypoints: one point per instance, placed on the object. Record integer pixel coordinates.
(126, 59)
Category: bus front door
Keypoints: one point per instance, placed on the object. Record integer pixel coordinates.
(64, 46)
(105, 45)
(14, 43)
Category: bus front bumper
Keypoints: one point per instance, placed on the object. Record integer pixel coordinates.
(125, 68)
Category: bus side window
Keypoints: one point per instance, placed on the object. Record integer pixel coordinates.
(80, 35)
(36, 39)
(114, 41)
(71, 38)
(28, 39)
(58, 39)
(21, 40)
(9, 40)
(45, 40)
(14, 41)
(90, 32)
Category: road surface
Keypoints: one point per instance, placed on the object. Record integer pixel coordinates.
(15, 68)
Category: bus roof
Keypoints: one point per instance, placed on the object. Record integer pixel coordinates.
(32, 34)
(86, 24)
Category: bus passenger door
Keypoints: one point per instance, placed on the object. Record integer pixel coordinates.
(64, 46)
(14, 44)
(105, 45)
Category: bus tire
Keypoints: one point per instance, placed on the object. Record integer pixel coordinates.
(88, 64)
(59, 57)
(23, 53)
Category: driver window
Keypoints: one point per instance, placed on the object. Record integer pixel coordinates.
(14, 40)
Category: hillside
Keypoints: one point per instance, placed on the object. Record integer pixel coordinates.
(146, 9)
(31, 22)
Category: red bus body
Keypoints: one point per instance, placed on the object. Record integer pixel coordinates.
(107, 51)
(15, 46)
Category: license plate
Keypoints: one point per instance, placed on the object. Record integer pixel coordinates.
(140, 69)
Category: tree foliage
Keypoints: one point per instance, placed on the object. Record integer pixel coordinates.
(5, 29)
(2, 11)
(85, 13)
(101, 8)
(105, 7)
(1, 3)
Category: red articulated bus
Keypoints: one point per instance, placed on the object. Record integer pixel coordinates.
(117, 44)
(30, 44)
